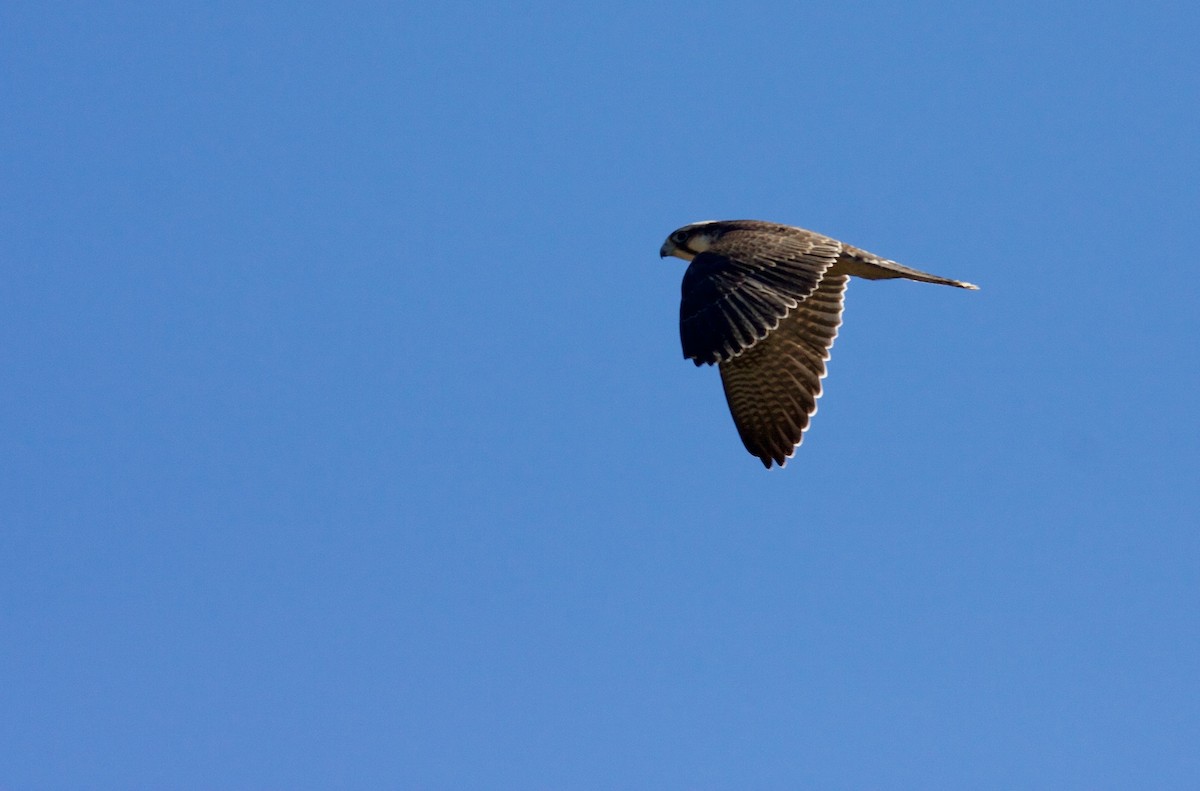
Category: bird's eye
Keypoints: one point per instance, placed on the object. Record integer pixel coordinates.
(679, 237)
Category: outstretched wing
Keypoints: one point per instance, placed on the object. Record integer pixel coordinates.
(773, 387)
(739, 290)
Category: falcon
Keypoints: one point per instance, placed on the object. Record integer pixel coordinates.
(763, 302)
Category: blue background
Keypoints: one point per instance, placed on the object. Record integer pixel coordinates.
(345, 439)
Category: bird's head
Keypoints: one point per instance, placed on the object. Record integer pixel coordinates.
(690, 240)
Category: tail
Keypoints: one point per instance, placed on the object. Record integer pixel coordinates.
(862, 264)
(899, 270)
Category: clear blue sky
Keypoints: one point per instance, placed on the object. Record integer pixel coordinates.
(347, 441)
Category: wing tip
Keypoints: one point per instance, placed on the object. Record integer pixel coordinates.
(780, 460)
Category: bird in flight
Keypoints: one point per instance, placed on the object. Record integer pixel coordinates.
(763, 302)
